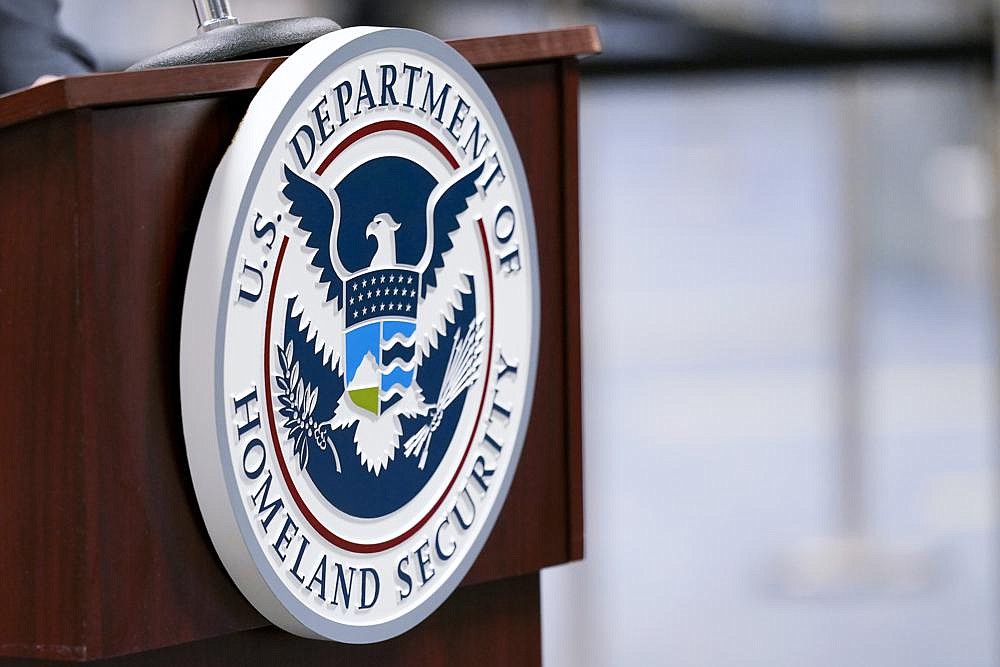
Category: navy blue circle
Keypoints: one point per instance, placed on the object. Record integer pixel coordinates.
(400, 187)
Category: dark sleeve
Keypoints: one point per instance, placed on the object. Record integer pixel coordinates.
(32, 44)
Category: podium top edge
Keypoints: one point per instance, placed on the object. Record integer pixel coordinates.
(190, 81)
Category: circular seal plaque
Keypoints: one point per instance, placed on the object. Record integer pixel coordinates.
(359, 334)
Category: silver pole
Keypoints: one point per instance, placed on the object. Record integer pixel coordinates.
(213, 14)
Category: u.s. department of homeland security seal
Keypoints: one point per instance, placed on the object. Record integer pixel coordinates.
(359, 334)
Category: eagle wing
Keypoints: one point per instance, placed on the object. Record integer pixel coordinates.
(315, 212)
(443, 283)
(322, 304)
(443, 209)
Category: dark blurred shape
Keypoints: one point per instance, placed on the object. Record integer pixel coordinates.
(658, 37)
(652, 36)
(32, 44)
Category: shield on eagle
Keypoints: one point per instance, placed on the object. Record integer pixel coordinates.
(379, 339)
(383, 240)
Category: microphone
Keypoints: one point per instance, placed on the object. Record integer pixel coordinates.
(222, 37)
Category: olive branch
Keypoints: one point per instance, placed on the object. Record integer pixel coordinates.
(298, 402)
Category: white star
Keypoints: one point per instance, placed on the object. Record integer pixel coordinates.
(364, 283)
(378, 292)
(395, 290)
(392, 279)
(364, 311)
(355, 287)
(413, 293)
(369, 294)
(352, 300)
(383, 279)
(355, 314)
(407, 307)
(409, 280)
(391, 306)
(382, 307)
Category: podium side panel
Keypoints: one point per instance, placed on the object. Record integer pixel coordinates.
(149, 577)
(41, 494)
(157, 580)
(533, 529)
(497, 624)
(570, 69)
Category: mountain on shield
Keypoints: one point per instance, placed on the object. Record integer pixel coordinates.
(364, 386)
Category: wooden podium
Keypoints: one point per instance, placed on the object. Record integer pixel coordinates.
(103, 549)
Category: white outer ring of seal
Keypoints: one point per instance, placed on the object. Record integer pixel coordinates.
(205, 430)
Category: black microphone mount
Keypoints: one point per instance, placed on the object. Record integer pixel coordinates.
(222, 37)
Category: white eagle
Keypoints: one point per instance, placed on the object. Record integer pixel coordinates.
(442, 284)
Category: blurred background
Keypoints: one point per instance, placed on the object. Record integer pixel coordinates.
(795, 462)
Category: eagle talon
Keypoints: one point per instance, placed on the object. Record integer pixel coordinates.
(435, 417)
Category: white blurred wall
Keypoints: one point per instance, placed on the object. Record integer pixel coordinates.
(713, 234)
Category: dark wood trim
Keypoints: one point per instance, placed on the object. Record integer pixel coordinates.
(530, 47)
(123, 88)
(190, 81)
(570, 70)
(495, 624)
(725, 58)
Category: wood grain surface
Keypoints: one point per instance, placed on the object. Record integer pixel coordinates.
(172, 83)
(104, 551)
(494, 624)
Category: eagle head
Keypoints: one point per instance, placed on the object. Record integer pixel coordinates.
(380, 224)
(383, 228)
